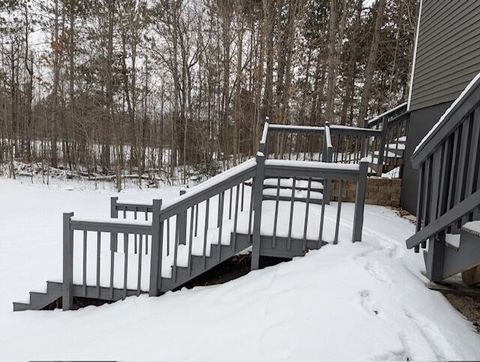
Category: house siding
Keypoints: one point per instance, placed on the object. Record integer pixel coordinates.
(448, 51)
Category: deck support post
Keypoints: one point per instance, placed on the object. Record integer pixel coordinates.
(114, 215)
(435, 257)
(327, 157)
(67, 292)
(157, 250)
(360, 201)
(257, 204)
(383, 142)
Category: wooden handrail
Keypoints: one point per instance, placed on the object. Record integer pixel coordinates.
(457, 212)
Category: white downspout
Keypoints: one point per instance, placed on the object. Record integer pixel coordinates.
(412, 75)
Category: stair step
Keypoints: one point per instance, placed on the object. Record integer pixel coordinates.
(37, 298)
(20, 307)
(472, 227)
(54, 287)
(199, 264)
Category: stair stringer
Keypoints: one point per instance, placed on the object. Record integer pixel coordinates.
(465, 257)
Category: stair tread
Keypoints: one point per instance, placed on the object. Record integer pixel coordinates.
(472, 227)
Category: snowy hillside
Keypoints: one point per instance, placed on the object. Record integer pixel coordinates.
(364, 301)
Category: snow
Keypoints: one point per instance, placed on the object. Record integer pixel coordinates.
(362, 301)
(448, 112)
(393, 173)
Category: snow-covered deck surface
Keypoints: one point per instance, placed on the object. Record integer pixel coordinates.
(364, 301)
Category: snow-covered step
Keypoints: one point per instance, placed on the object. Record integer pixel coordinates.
(396, 146)
(472, 227)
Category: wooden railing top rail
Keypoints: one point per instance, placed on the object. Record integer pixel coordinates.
(337, 129)
(463, 105)
(293, 128)
(110, 225)
(210, 188)
(355, 131)
(391, 114)
(326, 170)
(133, 206)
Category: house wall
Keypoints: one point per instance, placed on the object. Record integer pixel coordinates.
(447, 51)
(421, 121)
(447, 58)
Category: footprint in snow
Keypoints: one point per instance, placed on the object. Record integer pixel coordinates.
(376, 270)
(367, 303)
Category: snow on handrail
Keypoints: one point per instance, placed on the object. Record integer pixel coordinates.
(310, 164)
(328, 136)
(265, 133)
(212, 182)
(380, 116)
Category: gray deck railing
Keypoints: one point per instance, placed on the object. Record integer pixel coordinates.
(449, 186)
(101, 231)
(311, 171)
(394, 125)
(330, 143)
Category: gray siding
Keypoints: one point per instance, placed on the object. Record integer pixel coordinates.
(448, 51)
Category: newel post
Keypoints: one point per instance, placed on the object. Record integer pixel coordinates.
(383, 142)
(181, 233)
(67, 286)
(257, 216)
(157, 249)
(327, 157)
(360, 201)
(114, 215)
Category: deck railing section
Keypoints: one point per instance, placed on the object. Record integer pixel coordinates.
(449, 180)
(390, 147)
(306, 170)
(329, 143)
(100, 232)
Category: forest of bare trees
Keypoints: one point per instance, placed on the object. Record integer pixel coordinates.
(171, 89)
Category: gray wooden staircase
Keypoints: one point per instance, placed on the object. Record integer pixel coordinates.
(448, 163)
(38, 301)
(158, 247)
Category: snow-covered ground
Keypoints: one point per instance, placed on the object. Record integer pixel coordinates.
(363, 301)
